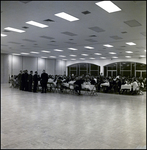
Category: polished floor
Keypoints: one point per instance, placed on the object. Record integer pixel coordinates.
(66, 121)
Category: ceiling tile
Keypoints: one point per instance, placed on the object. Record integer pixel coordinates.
(132, 23)
(97, 29)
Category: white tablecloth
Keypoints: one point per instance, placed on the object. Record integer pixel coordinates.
(90, 87)
(105, 84)
(126, 87)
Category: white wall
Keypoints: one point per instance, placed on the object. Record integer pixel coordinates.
(12, 64)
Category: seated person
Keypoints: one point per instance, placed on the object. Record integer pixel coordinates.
(135, 87)
(77, 84)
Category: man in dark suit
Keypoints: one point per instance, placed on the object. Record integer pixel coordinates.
(35, 80)
(30, 78)
(44, 79)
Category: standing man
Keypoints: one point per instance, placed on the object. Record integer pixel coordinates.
(26, 80)
(30, 78)
(19, 80)
(35, 79)
(44, 79)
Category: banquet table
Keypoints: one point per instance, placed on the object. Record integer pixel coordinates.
(126, 87)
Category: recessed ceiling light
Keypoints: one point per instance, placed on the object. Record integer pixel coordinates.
(62, 56)
(66, 16)
(35, 52)
(45, 51)
(97, 53)
(52, 56)
(25, 53)
(103, 57)
(145, 50)
(73, 55)
(128, 56)
(84, 54)
(114, 57)
(15, 54)
(73, 59)
(112, 53)
(15, 30)
(37, 24)
(108, 6)
(3, 35)
(107, 45)
(129, 52)
(89, 47)
(130, 43)
(142, 55)
(74, 49)
(58, 50)
(91, 58)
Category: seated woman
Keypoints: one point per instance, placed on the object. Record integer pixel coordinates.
(135, 87)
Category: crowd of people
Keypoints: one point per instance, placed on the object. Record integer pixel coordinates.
(28, 82)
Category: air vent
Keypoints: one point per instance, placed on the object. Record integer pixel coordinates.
(115, 37)
(52, 44)
(91, 40)
(49, 20)
(92, 36)
(25, 27)
(96, 29)
(69, 33)
(14, 42)
(143, 33)
(123, 46)
(70, 39)
(53, 41)
(86, 12)
(29, 40)
(132, 23)
(124, 32)
(47, 37)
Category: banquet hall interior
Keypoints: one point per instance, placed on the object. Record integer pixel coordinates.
(73, 41)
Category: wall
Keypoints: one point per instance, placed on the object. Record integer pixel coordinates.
(12, 64)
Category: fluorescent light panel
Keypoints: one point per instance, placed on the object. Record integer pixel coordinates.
(52, 56)
(3, 35)
(112, 53)
(114, 57)
(73, 59)
(73, 55)
(128, 56)
(108, 6)
(66, 16)
(45, 51)
(82, 58)
(97, 53)
(14, 29)
(43, 57)
(89, 47)
(25, 53)
(84, 54)
(142, 55)
(15, 54)
(37, 24)
(74, 49)
(103, 57)
(58, 50)
(34, 52)
(129, 52)
(62, 56)
(91, 58)
(130, 43)
(107, 45)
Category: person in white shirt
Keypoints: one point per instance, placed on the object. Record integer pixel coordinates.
(135, 86)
